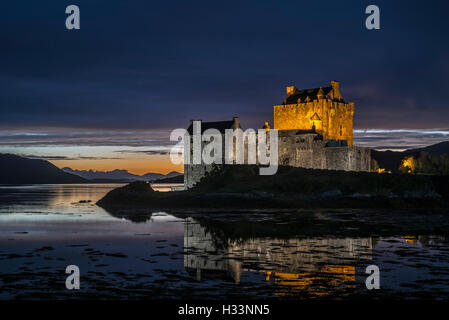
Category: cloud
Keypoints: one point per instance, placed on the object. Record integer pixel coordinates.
(50, 157)
(215, 60)
(114, 145)
(399, 139)
(147, 152)
(68, 137)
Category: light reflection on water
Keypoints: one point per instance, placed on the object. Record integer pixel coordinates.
(47, 227)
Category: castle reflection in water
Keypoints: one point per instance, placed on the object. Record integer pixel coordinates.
(315, 265)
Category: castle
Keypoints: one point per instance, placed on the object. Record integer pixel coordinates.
(315, 130)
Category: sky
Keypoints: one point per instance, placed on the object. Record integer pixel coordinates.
(108, 95)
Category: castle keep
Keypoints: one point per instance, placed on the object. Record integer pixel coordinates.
(320, 109)
(315, 130)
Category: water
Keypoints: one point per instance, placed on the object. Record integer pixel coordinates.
(44, 228)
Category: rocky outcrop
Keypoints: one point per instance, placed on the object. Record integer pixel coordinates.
(241, 187)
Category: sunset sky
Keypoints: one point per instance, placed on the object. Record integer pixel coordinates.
(108, 95)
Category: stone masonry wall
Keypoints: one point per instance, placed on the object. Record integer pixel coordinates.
(194, 172)
(310, 151)
(299, 150)
(336, 118)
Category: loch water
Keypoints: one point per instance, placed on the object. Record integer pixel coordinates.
(221, 255)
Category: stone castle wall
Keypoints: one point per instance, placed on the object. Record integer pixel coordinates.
(348, 158)
(334, 120)
(311, 151)
(300, 150)
(194, 172)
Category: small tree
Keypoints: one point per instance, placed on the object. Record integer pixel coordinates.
(375, 166)
(425, 163)
(408, 165)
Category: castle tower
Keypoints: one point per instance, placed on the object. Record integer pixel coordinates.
(322, 110)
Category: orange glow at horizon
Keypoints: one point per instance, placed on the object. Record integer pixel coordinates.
(139, 166)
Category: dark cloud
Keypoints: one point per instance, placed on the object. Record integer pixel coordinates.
(399, 139)
(147, 65)
(49, 158)
(46, 157)
(147, 152)
(74, 137)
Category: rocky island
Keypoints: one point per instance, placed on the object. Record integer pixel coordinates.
(291, 188)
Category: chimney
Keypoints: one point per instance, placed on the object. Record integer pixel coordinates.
(236, 122)
(335, 85)
(291, 90)
(191, 121)
(336, 90)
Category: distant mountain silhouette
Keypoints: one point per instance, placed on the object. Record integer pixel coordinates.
(176, 179)
(439, 148)
(19, 170)
(158, 176)
(118, 175)
(390, 160)
(102, 175)
(152, 176)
